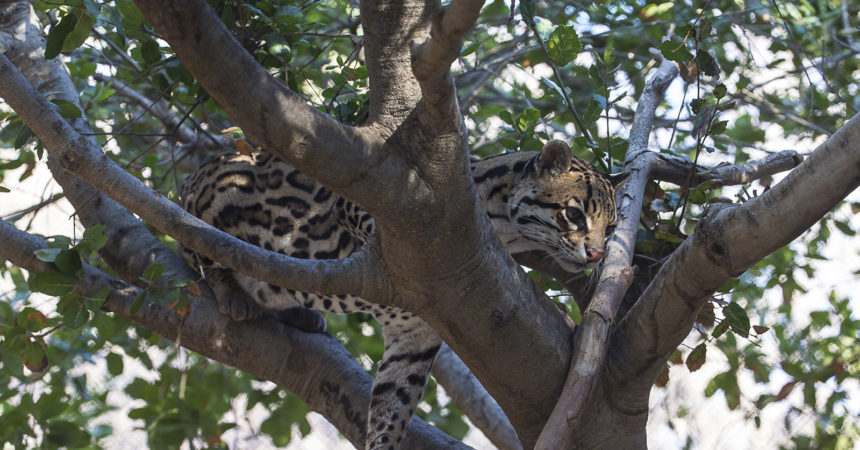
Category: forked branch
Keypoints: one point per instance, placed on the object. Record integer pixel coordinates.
(592, 338)
(676, 170)
(274, 117)
(727, 241)
(432, 59)
(314, 366)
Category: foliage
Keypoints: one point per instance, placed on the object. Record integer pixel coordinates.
(546, 69)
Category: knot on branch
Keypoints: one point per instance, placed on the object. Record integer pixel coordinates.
(709, 234)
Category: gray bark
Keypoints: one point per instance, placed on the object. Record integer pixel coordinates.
(436, 253)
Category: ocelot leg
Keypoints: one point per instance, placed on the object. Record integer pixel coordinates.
(410, 348)
(233, 301)
(242, 298)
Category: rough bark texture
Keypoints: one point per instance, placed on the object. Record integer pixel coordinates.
(440, 253)
(314, 366)
(436, 253)
(131, 247)
(592, 338)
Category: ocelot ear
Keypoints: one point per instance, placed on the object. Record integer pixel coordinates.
(554, 157)
(618, 179)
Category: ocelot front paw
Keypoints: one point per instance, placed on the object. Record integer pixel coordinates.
(238, 308)
(302, 318)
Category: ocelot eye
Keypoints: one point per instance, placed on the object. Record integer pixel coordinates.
(575, 216)
(609, 230)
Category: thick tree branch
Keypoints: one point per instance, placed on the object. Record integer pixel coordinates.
(314, 366)
(358, 274)
(727, 241)
(273, 117)
(592, 338)
(432, 59)
(131, 247)
(390, 27)
(676, 170)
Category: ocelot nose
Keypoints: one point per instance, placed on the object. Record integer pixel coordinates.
(592, 255)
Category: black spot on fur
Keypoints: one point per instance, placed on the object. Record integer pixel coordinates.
(403, 396)
(495, 172)
(415, 380)
(382, 388)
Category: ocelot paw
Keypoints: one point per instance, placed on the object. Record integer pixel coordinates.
(302, 318)
(238, 308)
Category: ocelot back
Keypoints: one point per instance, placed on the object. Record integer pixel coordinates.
(548, 201)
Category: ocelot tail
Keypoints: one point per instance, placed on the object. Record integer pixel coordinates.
(548, 201)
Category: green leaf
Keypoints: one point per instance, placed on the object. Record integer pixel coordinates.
(728, 383)
(68, 261)
(59, 241)
(527, 11)
(729, 285)
(563, 45)
(24, 134)
(95, 301)
(137, 303)
(47, 254)
(34, 356)
(75, 315)
(720, 329)
(793, 369)
(13, 364)
(844, 227)
(278, 426)
(52, 283)
(141, 413)
(58, 34)
(92, 7)
(675, 51)
(31, 319)
(131, 16)
(471, 48)
(552, 85)
(737, 318)
(707, 64)
(164, 296)
(600, 101)
(67, 109)
(50, 404)
(705, 28)
(79, 34)
(150, 51)
(697, 357)
(527, 119)
(67, 434)
(114, 363)
(574, 313)
(152, 272)
(92, 240)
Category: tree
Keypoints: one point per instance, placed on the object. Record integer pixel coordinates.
(365, 102)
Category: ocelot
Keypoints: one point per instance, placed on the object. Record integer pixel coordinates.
(548, 201)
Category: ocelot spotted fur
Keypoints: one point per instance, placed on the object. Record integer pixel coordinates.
(548, 201)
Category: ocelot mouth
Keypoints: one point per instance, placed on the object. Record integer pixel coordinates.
(572, 266)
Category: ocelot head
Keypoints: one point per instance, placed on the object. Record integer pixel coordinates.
(565, 207)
